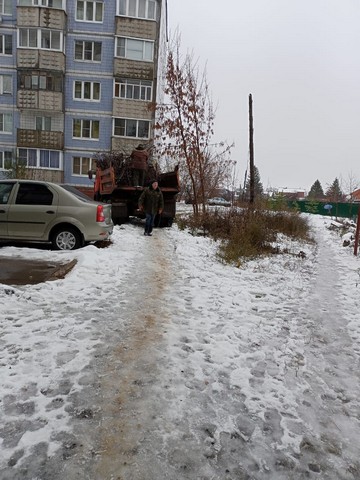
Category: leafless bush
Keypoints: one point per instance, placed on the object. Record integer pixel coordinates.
(246, 232)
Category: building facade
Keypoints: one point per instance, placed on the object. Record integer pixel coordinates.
(77, 77)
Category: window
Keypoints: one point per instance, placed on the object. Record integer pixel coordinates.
(87, 90)
(49, 159)
(5, 160)
(27, 156)
(43, 123)
(41, 81)
(28, 37)
(5, 84)
(41, 38)
(88, 11)
(86, 129)
(82, 165)
(133, 89)
(32, 157)
(137, 8)
(49, 3)
(6, 122)
(5, 190)
(5, 7)
(51, 39)
(5, 44)
(125, 127)
(88, 51)
(134, 49)
(33, 194)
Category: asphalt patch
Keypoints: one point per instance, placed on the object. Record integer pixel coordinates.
(19, 271)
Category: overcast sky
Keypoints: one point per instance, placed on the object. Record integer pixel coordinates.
(300, 60)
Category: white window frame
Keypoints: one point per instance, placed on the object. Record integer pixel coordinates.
(85, 164)
(55, 38)
(60, 4)
(133, 89)
(33, 157)
(4, 157)
(84, 50)
(6, 84)
(5, 43)
(84, 85)
(145, 9)
(127, 125)
(86, 125)
(89, 11)
(28, 37)
(6, 123)
(124, 46)
(35, 38)
(6, 7)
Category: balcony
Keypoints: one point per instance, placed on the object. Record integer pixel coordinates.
(28, 16)
(40, 59)
(40, 100)
(40, 139)
(135, 27)
(133, 69)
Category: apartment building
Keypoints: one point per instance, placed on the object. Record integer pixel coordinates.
(76, 77)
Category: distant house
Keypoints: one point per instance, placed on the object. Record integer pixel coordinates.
(292, 194)
(355, 196)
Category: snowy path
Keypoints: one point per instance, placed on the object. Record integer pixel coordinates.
(330, 403)
(178, 367)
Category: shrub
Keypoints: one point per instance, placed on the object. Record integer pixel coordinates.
(248, 232)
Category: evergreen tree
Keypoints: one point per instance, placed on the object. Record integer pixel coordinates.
(334, 193)
(316, 191)
(258, 186)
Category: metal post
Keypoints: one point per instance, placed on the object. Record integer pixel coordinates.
(357, 234)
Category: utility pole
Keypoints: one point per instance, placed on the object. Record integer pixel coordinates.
(251, 150)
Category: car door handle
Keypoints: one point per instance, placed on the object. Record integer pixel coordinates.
(2, 211)
(50, 211)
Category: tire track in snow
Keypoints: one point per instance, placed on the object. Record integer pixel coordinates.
(129, 381)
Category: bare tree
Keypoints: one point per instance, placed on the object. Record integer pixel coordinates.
(17, 168)
(350, 184)
(184, 126)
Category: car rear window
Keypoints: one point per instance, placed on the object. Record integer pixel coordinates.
(81, 196)
(33, 194)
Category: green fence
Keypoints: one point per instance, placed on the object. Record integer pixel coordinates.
(345, 210)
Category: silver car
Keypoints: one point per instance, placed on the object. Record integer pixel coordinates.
(219, 201)
(37, 211)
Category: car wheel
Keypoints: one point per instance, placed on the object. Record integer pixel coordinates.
(66, 238)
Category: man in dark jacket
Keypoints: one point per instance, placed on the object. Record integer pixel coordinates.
(151, 201)
(139, 158)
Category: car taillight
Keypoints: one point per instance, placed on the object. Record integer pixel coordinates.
(100, 217)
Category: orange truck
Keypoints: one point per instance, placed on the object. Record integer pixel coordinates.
(112, 184)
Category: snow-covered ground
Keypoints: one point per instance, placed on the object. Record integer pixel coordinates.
(152, 360)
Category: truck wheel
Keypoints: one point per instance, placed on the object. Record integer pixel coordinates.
(120, 213)
(170, 222)
(165, 222)
(66, 238)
